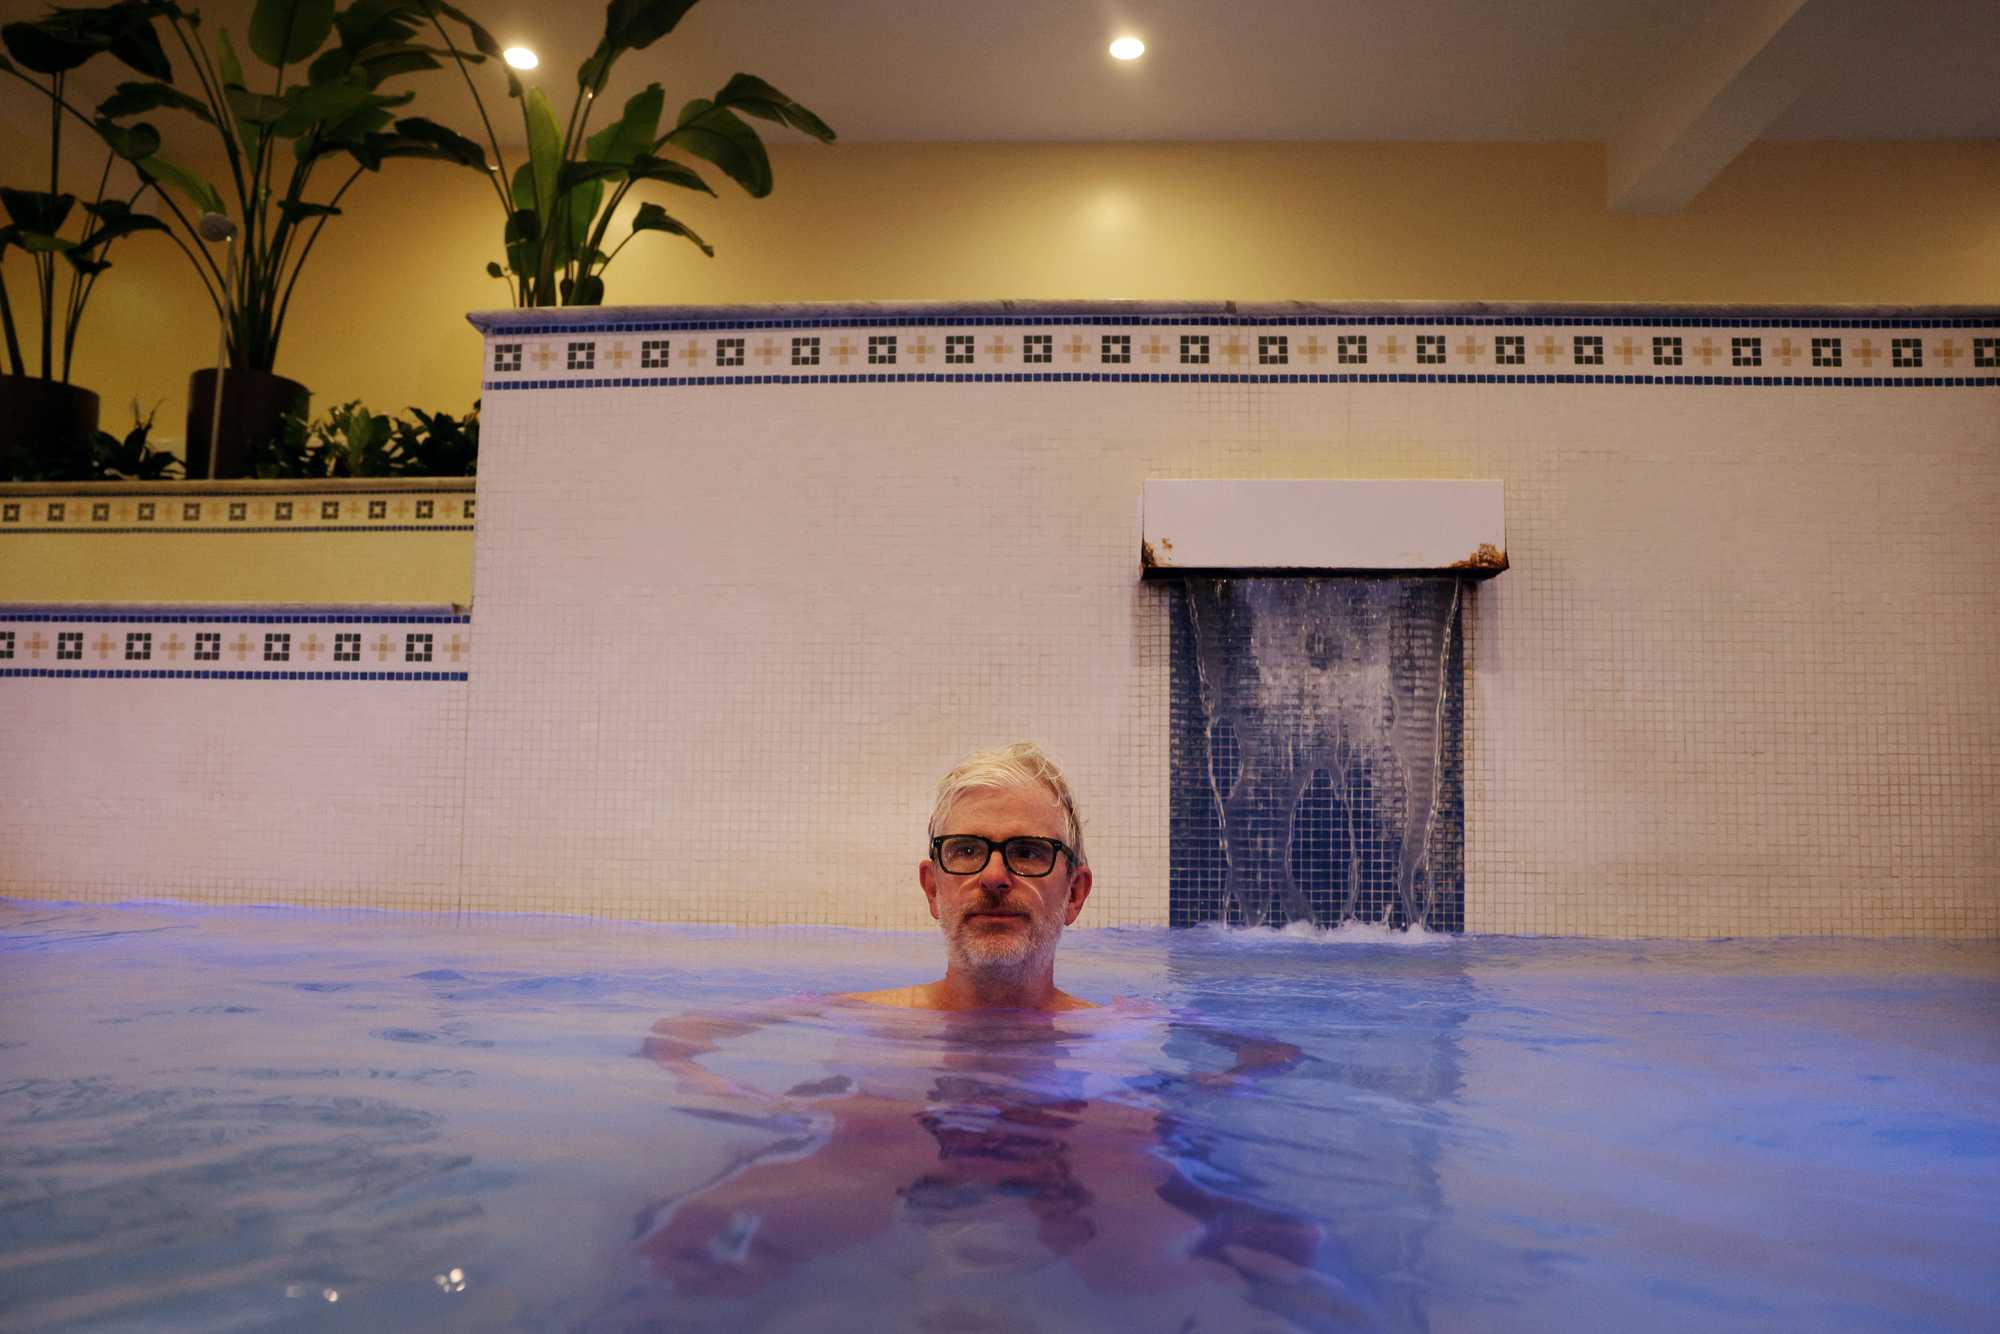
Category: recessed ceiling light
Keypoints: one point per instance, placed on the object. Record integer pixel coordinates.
(1127, 48)
(520, 57)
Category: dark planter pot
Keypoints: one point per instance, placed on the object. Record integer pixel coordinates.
(45, 427)
(254, 404)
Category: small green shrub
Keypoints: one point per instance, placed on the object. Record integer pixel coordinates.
(103, 458)
(351, 441)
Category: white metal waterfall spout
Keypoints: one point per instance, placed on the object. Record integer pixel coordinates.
(1324, 527)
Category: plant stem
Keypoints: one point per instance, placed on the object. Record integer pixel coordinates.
(318, 224)
(7, 318)
(199, 257)
(218, 103)
(500, 163)
(48, 261)
(80, 283)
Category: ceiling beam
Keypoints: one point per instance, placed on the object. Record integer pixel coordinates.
(1734, 78)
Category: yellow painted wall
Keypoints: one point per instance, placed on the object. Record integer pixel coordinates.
(379, 315)
(321, 569)
(153, 556)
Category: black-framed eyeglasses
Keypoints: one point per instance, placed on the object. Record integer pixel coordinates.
(969, 854)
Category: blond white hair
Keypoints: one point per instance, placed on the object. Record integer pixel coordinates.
(1023, 764)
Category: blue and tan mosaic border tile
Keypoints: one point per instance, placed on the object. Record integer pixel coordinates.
(665, 347)
(236, 645)
(437, 506)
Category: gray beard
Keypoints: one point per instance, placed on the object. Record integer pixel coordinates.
(1004, 963)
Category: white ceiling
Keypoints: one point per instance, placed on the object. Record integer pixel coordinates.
(1411, 70)
(1674, 87)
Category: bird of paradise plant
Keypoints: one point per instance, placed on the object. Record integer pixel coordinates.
(560, 201)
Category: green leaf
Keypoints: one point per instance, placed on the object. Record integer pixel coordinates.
(117, 211)
(579, 208)
(250, 135)
(446, 144)
(368, 23)
(130, 38)
(753, 97)
(282, 31)
(633, 132)
(669, 172)
(307, 105)
(41, 244)
(653, 218)
(522, 235)
(225, 55)
(87, 267)
(116, 218)
(351, 129)
(631, 25)
(522, 188)
(51, 46)
(544, 148)
(37, 210)
(389, 63)
(596, 71)
(130, 142)
(586, 291)
(576, 173)
(203, 195)
(133, 98)
(369, 150)
(296, 211)
(715, 134)
(253, 108)
(481, 38)
(493, 269)
(331, 65)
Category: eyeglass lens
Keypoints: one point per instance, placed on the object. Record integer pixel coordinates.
(966, 854)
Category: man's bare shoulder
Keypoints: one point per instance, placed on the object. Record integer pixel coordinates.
(929, 996)
(899, 998)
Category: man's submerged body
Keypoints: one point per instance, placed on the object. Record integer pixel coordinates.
(1001, 1147)
(995, 1154)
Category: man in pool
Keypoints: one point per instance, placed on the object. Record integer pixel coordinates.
(1015, 1139)
(1006, 873)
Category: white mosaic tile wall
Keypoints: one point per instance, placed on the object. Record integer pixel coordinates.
(745, 586)
(219, 790)
(735, 614)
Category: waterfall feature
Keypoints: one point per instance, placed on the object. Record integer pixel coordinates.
(1324, 706)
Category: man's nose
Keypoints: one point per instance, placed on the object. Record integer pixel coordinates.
(995, 874)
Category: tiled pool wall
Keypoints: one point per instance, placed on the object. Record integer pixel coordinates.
(747, 580)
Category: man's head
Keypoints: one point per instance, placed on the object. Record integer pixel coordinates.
(1002, 914)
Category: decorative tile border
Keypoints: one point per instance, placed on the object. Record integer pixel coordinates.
(206, 644)
(1082, 342)
(179, 507)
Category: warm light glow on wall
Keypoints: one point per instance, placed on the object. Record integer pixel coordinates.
(520, 57)
(1127, 48)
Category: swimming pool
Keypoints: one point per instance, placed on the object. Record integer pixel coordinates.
(254, 1119)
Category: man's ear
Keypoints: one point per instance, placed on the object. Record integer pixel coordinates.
(927, 877)
(1079, 890)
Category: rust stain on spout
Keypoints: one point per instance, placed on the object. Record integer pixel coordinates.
(1488, 559)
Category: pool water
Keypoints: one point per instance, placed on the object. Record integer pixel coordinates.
(285, 1119)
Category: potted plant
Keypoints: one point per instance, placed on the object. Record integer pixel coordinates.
(351, 441)
(559, 202)
(319, 104)
(49, 423)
